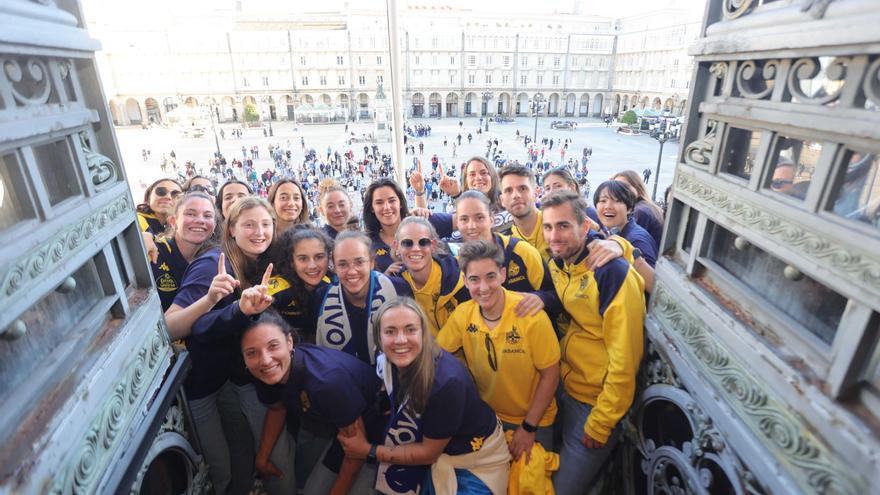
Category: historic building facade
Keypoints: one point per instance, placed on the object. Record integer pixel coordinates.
(455, 63)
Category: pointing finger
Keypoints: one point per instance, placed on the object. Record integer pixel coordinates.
(221, 265)
(267, 275)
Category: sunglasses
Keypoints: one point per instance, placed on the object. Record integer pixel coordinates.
(778, 183)
(204, 189)
(164, 191)
(409, 243)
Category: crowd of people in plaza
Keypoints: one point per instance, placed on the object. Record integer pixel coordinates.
(406, 347)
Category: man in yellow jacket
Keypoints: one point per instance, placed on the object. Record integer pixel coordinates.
(602, 346)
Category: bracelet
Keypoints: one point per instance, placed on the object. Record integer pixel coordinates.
(529, 427)
(421, 193)
(371, 457)
(456, 196)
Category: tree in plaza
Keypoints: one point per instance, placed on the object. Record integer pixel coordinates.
(629, 118)
(250, 113)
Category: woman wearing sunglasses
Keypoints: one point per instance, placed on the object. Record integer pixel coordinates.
(434, 277)
(441, 437)
(514, 359)
(199, 183)
(158, 205)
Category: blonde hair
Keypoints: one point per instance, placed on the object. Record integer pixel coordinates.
(417, 380)
(245, 271)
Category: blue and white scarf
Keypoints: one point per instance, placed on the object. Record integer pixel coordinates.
(334, 329)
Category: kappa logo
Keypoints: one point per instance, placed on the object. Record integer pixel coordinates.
(381, 252)
(164, 267)
(472, 328)
(477, 443)
(513, 336)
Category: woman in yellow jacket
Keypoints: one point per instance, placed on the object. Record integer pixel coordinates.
(514, 360)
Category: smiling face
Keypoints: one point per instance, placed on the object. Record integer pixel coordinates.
(231, 193)
(612, 212)
(336, 208)
(483, 279)
(353, 263)
(410, 239)
(477, 177)
(562, 232)
(518, 195)
(288, 202)
(310, 261)
(194, 222)
(400, 336)
(266, 352)
(386, 206)
(473, 220)
(253, 231)
(163, 197)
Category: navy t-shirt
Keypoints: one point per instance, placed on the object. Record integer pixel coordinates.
(326, 386)
(647, 219)
(442, 223)
(640, 238)
(455, 409)
(168, 271)
(213, 343)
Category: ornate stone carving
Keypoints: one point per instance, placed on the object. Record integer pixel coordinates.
(755, 79)
(96, 448)
(737, 8)
(26, 79)
(860, 267)
(699, 152)
(808, 68)
(871, 85)
(657, 370)
(29, 267)
(102, 170)
(174, 421)
(800, 452)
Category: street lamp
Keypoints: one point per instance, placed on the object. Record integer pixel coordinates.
(487, 95)
(661, 137)
(537, 106)
(213, 110)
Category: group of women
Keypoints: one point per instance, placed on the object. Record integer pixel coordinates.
(322, 355)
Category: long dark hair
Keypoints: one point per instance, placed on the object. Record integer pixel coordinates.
(417, 380)
(303, 207)
(635, 180)
(219, 200)
(371, 223)
(494, 194)
(145, 206)
(283, 256)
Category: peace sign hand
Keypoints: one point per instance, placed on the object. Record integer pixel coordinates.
(223, 284)
(256, 299)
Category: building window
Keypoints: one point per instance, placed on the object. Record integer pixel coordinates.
(505, 79)
(302, 61)
(362, 80)
(434, 42)
(555, 62)
(488, 59)
(452, 78)
(524, 62)
(416, 60)
(244, 82)
(555, 80)
(265, 80)
(360, 60)
(472, 60)
(378, 59)
(507, 60)
(540, 79)
(574, 62)
(380, 79)
(540, 62)
(488, 78)
(323, 80)
(523, 79)
(452, 60)
(471, 79)
(339, 60)
(305, 81)
(342, 80)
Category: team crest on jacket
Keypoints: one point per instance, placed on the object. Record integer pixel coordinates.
(583, 287)
(472, 328)
(381, 252)
(477, 443)
(513, 270)
(512, 336)
(166, 283)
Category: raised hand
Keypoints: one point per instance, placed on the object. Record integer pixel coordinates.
(417, 180)
(448, 184)
(223, 284)
(254, 300)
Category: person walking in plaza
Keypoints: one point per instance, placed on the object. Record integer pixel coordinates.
(514, 359)
(603, 342)
(441, 438)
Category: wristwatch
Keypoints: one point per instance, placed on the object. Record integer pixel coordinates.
(637, 253)
(371, 457)
(529, 427)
